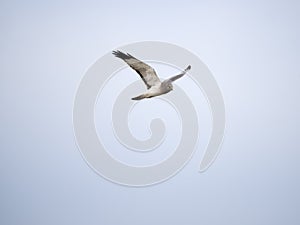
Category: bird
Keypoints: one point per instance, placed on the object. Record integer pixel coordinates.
(155, 86)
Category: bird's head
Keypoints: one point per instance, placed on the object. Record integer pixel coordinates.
(168, 85)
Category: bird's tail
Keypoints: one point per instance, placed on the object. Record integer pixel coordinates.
(140, 97)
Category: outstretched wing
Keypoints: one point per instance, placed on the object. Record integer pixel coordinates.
(146, 72)
(180, 75)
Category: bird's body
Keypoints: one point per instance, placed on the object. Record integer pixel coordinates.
(156, 90)
(154, 86)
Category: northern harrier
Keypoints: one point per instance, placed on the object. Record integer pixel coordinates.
(147, 73)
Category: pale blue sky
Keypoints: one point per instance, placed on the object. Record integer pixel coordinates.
(252, 48)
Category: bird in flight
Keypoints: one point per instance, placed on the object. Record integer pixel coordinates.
(155, 87)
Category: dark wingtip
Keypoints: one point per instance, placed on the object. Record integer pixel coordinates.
(121, 55)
